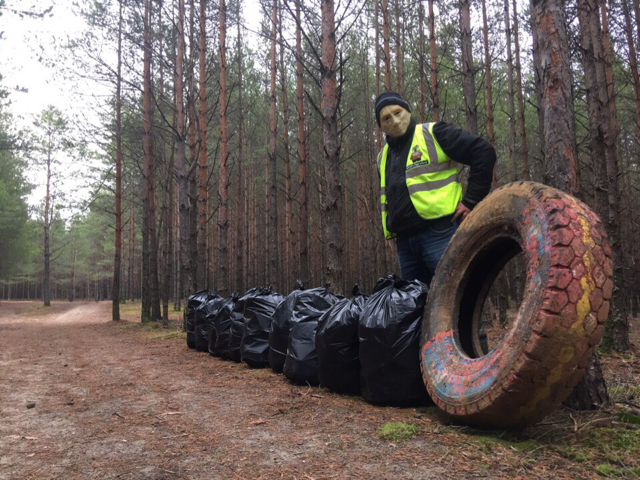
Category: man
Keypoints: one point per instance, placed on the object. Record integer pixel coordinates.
(421, 194)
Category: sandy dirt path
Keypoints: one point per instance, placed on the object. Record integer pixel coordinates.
(113, 402)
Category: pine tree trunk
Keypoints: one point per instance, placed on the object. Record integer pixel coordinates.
(510, 99)
(468, 71)
(153, 232)
(303, 228)
(524, 147)
(168, 274)
(193, 160)
(633, 61)
(46, 279)
(272, 185)
(223, 192)
(620, 320)
(240, 204)
(146, 170)
(186, 269)
(72, 288)
(386, 49)
(203, 171)
(289, 233)
(435, 101)
(399, 52)
(377, 60)
(132, 248)
(551, 44)
(117, 260)
(164, 231)
(421, 57)
(487, 73)
(332, 206)
(594, 108)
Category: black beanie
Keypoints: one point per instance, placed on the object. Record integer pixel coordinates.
(390, 98)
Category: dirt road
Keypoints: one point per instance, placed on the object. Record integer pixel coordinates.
(119, 402)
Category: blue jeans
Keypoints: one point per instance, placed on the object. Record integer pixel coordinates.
(419, 252)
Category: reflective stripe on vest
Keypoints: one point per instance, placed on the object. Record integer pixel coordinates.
(431, 176)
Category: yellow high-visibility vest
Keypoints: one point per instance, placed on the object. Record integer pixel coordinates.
(432, 178)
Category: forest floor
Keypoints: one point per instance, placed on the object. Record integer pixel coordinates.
(84, 397)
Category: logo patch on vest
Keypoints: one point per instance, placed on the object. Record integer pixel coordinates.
(416, 154)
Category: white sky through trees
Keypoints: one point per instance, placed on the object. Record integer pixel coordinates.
(28, 44)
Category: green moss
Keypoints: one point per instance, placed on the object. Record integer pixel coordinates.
(604, 348)
(634, 472)
(396, 431)
(520, 446)
(608, 471)
(627, 392)
(432, 410)
(628, 417)
(572, 453)
(614, 440)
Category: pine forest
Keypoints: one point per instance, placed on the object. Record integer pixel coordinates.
(225, 156)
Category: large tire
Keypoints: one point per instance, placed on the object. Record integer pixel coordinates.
(558, 325)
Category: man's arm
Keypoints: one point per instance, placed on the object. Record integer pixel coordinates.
(472, 150)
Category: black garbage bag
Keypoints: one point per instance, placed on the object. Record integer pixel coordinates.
(258, 314)
(237, 325)
(280, 327)
(214, 307)
(337, 345)
(219, 335)
(203, 320)
(193, 303)
(389, 331)
(301, 364)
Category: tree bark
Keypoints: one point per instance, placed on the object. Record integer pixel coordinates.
(223, 186)
(164, 276)
(468, 70)
(633, 61)
(377, 60)
(193, 160)
(421, 57)
(272, 185)
(595, 107)
(386, 49)
(147, 171)
(524, 147)
(203, 171)
(240, 205)
(117, 258)
(487, 72)
(591, 393)
(186, 269)
(332, 206)
(552, 47)
(46, 279)
(510, 99)
(303, 230)
(435, 101)
(290, 234)
(399, 72)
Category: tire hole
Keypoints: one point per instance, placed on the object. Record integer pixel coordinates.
(494, 287)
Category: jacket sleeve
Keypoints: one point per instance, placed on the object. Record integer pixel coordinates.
(468, 149)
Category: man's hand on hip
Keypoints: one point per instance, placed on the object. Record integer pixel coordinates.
(461, 211)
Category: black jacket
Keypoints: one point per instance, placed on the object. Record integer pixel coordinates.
(461, 146)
